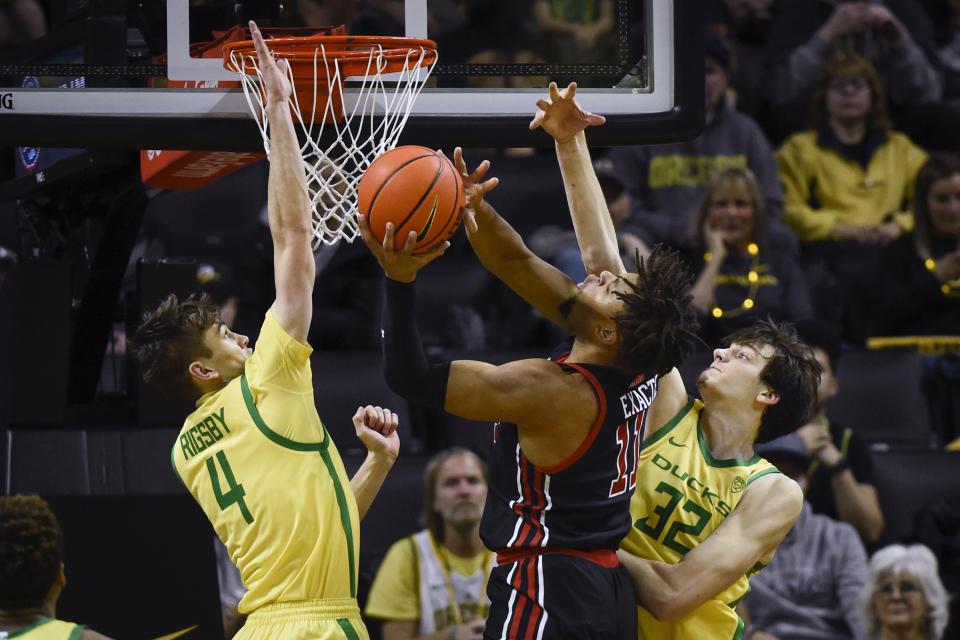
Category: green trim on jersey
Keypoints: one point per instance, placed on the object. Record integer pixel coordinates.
(761, 474)
(348, 629)
(25, 630)
(670, 424)
(173, 463)
(713, 462)
(77, 632)
(344, 518)
(323, 448)
(283, 441)
(739, 632)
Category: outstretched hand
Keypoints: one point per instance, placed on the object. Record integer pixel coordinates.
(377, 429)
(274, 73)
(402, 265)
(473, 187)
(561, 116)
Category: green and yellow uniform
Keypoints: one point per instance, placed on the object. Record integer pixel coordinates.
(684, 493)
(46, 629)
(256, 457)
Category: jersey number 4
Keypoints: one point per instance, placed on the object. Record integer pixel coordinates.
(626, 467)
(234, 493)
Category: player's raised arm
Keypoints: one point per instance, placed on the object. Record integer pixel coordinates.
(288, 207)
(749, 535)
(503, 253)
(377, 428)
(565, 120)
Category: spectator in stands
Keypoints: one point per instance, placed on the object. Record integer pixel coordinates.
(739, 278)
(919, 288)
(847, 182)
(559, 246)
(581, 30)
(841, 478)
(892, 35)
(21, 21)
(811, 587)
(433, 584)
(666, 182)
(744, 25)
(32, 574)
(904, 598)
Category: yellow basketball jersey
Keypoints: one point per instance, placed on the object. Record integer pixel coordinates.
(47, 629)
(683, 493)
(256, 457)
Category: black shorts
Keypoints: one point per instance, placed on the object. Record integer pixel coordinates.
(559, 596)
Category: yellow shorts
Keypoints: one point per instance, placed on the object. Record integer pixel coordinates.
(332, 619)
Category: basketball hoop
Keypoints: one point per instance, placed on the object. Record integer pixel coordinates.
(383, 77)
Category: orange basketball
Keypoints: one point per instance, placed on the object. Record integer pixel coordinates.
(416, 189)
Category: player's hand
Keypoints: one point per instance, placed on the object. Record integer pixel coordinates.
(469, 630)
(377, 429)
(561, 116)
(401, 265)
(473, 187)
(275, 74)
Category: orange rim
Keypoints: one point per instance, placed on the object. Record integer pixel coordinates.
(351, 52)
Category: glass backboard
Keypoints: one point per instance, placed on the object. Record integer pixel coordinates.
(100, 77)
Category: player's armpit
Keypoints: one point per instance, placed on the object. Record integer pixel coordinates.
(750, 534)
(671, 399)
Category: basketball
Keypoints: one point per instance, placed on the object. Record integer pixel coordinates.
(417, 189)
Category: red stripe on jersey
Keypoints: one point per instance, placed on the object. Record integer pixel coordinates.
(532, 594)
(520, 603)
(533, 501)
(601, 416)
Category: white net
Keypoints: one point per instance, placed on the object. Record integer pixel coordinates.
(375, 108)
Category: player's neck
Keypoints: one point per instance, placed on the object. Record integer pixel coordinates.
(14, 620)
(589, 353)
(725, 433)
(464, 542)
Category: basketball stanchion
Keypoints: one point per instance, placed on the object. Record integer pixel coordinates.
(362, 86)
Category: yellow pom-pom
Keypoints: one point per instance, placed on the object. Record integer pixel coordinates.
(748, 303)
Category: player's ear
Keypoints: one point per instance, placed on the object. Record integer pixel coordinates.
(768, 396)
(606, 332)
(199, 371)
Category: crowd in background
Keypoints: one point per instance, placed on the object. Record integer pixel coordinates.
(823, 190)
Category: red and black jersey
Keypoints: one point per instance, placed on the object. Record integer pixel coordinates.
(584, 501)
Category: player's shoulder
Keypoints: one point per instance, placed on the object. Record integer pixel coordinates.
(90, 634)
(775, 490)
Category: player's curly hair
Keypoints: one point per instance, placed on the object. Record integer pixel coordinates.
(658, 326)
(792, 372)
(31, 551)
(171, 337)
